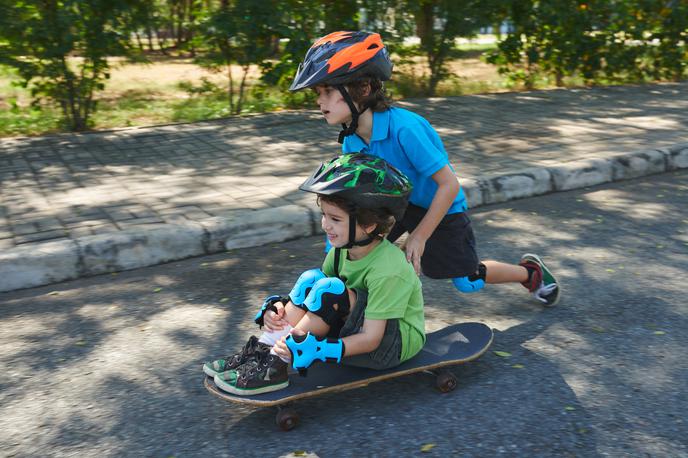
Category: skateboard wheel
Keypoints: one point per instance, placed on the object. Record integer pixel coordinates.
(446, 382)
(287, 419)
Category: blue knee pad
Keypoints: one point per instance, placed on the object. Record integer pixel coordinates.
(306, 349)
(471, 283)
(325, 293)
(464, 285)
(304, 285)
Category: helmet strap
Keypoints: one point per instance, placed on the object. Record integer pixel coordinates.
(352, 233)
(351, 128)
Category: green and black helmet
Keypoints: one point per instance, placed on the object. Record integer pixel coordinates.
(364, 180)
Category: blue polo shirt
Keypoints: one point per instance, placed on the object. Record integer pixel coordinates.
(408, 142)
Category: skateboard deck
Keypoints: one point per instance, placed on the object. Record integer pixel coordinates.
(455, 344)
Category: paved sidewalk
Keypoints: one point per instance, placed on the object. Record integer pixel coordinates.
(91, 201)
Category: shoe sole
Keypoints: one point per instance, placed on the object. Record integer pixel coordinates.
(224, 386)
(537, 259)
(209, 371)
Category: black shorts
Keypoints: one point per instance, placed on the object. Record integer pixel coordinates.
(450, 251)
(387, 354)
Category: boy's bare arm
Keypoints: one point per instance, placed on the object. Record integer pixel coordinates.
(447, 190)
(367, 340)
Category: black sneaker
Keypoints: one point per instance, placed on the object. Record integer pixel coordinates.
(249, 352)
(260, 375)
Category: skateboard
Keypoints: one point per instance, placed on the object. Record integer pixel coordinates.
(455, 344)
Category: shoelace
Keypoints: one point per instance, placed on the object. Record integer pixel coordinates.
(543, 291)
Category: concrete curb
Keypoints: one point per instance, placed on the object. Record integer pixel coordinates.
(51, 262)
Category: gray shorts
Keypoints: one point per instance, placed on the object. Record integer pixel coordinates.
(388, 354)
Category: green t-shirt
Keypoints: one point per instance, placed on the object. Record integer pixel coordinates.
(394, 290)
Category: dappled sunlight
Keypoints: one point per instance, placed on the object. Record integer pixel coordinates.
(509, 227)
(555, 338)
(136, 350)
(641, 122)
(619, 201)
(573, 128)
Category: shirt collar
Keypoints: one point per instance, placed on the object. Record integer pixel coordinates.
(380, 125)
(354, 143)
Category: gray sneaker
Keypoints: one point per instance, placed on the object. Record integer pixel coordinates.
(543, 285)
(249, 352)
(260, 375)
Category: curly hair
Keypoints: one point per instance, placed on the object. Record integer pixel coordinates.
(376, 100)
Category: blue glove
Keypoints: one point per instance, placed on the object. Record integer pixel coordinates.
(269, 304)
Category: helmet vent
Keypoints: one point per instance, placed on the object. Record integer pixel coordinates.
(373, 46)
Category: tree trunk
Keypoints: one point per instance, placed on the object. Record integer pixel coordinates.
(231, 87)
(424, 24)
(149, 35)
(242, 87)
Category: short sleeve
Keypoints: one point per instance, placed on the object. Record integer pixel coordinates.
(421, 151)
(328, 263)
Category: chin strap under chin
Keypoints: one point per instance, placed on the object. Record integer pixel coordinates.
(351, 128)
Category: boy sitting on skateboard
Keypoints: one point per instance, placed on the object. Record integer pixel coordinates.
(364, 308)
(347, 70)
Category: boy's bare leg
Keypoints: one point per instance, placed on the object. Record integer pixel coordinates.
(315, 325)
(499, 272)
(310, 322)
(293, 314)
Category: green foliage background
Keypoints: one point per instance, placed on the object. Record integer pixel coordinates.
(59, 49)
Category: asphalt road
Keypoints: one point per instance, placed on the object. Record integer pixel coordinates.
(111, 365)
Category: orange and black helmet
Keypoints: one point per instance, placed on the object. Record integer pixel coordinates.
(340, 57)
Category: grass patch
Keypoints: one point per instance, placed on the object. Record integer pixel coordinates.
(174, 89)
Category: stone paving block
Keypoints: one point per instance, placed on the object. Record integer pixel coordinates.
(47, 223)
(516, 185)
(119, 213)
(88, 222)
(38, 264)
(123, 251)
(124, 225)
(638, 164)
(103, 228)
(678, 159)
(21, 229)
(578, 174)
(263, 227)
(40, 236)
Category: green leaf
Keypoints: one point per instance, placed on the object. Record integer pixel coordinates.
(569, 408)
(224, 299)
(659, 333)
(427, 447)
(518, 366)
(502, 354)
(157, 290)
